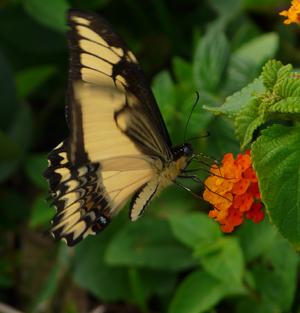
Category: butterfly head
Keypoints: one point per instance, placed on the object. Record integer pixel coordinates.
(185, 150)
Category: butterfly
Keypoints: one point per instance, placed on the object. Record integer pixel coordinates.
(118, 146)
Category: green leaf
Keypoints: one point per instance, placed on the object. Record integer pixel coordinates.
(164, 91)
(259, 49)
(148, 243)
(193, 228)
(41, 212)
(288, 105)
(289, 87)
(245, 63)
(182, 70)
(198, 293)
(210, 59)
(53, 14)
(21, 133)
(276, 160)
(155, 282)
(94, 274)
(269, 73)
(223, 138)
(283, 73)
(247, 121)
(43, 43)
(34, 167)
(239, 74)
(246, 305)
(52, 283)
(30, 79)
(238, 100)
(223, 259)
(278, 268)
(226, 8)
(256, 239)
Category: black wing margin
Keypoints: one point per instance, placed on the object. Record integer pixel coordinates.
(126, 68)
(82, 208)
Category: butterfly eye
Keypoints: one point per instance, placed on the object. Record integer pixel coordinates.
(187, 150)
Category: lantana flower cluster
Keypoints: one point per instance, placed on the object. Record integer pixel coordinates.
(233, 191)
(293, 13)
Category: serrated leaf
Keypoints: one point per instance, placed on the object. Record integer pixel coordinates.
(289, 87)
(247, 121)
(288, 105)
(197, 293)
(148, 243)
(193, 228)
(30, 79)
(223, 259)
(210, 59)
(53, 14)
(276, 160)
(238, 100)
(269, 73)
(283, 73)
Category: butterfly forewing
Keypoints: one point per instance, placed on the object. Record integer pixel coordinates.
(118, 141)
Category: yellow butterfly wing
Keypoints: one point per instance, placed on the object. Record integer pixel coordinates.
(118, 142)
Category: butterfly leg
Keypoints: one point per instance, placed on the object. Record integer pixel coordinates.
(187, 189)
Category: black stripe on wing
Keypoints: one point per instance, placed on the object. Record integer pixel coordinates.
(125, 68)
(82, 208)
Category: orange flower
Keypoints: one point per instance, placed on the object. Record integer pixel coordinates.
(293, 13)
(233, 191)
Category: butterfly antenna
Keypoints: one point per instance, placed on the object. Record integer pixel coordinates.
(207, 134)
(190, 115)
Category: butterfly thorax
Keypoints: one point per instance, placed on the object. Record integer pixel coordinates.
(181, 157)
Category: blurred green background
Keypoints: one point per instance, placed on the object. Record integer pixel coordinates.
(174, 259)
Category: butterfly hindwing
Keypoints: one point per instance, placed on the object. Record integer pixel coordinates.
(76, 192)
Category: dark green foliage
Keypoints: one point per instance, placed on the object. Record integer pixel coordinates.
(174, 259)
